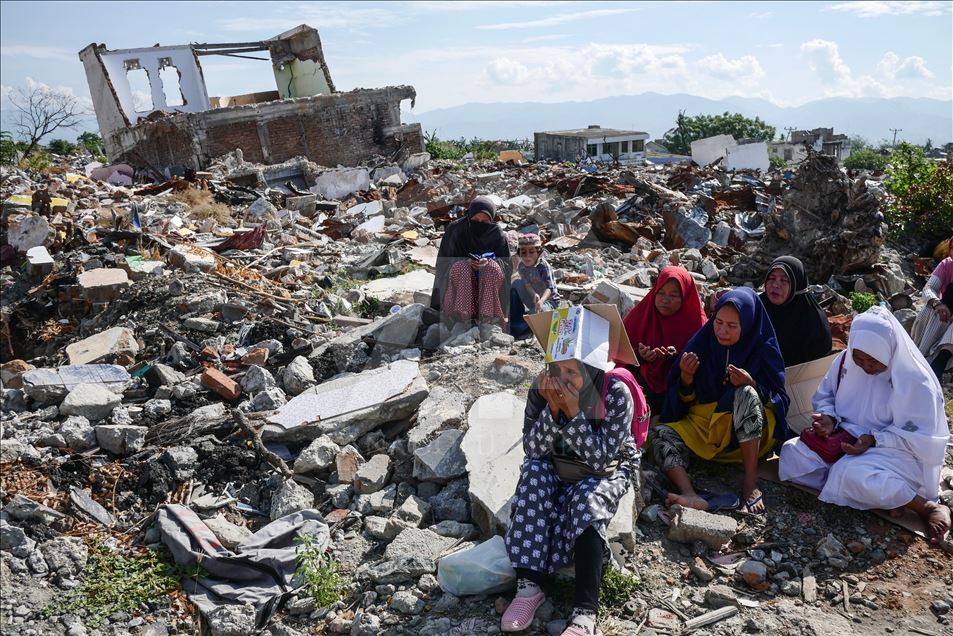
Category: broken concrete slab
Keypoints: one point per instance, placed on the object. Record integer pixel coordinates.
(39, 261)
(442, 409)
(399, 331)
(622, 527)
(350, 406)
(192, 258)
(442, 459)
(622, 296)
(372, 476)
(52, 385)
(318, 456)
(121, 439)
(27, 232)
(103, 285)
(337, 184)
(690, 525)
(414, 542)
(117, 345)
(92, 401)
(290, 497)
(400, 289)
(494, 451)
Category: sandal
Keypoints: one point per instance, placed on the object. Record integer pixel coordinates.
(754, 501)
(572, 630)
(519, 615)
(720, 501)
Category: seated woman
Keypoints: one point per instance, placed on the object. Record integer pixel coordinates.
(882, 392)
(473, 268)
(799, 322)
(659, 328)
(558, 518)
(535, 289)
(726, 399)
(933, 329)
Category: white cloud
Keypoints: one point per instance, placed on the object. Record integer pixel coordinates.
(912, 68)
(745, 68)
(39, 52)
(875, 9)
(506, 71)
(823, 57)
(556, 19)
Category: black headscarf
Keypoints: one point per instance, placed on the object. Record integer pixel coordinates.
(464, 237)
(800, 324)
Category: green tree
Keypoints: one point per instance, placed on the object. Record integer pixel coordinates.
(8, 149)
(777, 162)
(948, 148)
(928, 146)
(921, 194)
(866, 159)
(92, 142)
(858, 143)
(61, 147)
(689, 129)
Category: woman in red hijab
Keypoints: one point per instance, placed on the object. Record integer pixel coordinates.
(660, 326)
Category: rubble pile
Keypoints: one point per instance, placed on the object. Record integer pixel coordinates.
(251, 341)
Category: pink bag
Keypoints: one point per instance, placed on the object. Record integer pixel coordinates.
(640, 415)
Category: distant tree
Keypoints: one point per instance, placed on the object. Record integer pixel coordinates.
(928, 146)
(689, 129)
(948, 148)
(8, 149)
(777, 162)
(866, 159)
(62, 147)
(41, 110)
(91, 142)
(858, 143)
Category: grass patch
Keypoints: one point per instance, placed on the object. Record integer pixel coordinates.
(319, 573)
(115, 582)
(203, 205)
(615, 591)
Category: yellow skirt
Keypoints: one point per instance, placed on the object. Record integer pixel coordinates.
(708, 433)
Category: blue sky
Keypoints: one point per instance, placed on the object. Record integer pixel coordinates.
(459, 52)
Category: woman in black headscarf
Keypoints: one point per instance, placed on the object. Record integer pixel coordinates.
(800, 324)
(474, 268)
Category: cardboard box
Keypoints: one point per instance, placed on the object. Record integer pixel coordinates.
(801, 382)
(592, 334)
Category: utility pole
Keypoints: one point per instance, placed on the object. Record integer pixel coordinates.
(895, 131)
(790, 129)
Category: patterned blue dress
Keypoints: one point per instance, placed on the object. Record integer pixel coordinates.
(548, 515)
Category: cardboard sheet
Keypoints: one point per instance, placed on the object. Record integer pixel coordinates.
(801, 382)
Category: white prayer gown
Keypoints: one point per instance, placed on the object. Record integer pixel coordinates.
(902, 408)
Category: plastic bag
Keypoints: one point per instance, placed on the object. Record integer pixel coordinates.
(482, 569)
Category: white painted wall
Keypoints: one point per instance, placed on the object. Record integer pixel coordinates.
(748, 156)
(705, 151)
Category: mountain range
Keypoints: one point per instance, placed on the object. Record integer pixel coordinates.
(872, 118)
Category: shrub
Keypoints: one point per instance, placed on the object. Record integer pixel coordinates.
(777, 162)
(922, 195)
(62, 147)
(8, 149)
(319, 572)
(203, 205)
(866, 159)
(862, 301)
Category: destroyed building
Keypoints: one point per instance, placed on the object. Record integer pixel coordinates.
(822, 140)
(176, 125)
(593, 141)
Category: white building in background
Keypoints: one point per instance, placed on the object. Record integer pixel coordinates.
(594, 141)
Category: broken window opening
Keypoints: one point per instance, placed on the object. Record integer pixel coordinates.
(638, 145)
(591, 150)
(139, 86)
(171, 80)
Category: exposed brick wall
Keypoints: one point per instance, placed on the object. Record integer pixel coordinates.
(342, 128)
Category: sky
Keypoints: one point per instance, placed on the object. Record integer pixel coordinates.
(512, 51)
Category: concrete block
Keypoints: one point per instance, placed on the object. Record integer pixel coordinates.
(690, 525)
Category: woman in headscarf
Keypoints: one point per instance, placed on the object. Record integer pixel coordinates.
(659, 328)
(726, 400)
(799, 322)
(933, 329)
(882, 392)
(580, 459)
(473, 268)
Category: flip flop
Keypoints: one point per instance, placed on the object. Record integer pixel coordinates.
(753, 502)
(720, 501)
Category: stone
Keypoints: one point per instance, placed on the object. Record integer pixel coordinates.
(231, 620)
(380, 528)
(11, 373)
(455, 529)
(47, 386)
(290, 497)
(206, 302)
(622, 527)
(27, 231)
(690, 525)
(442, 460)
(218, 382)
(260, 210)
(192, 258)
(400, 288)
(341, 495)
(92, 401)
(717, 596)
(380, 502)
(348, 462)
(65, 555)
(452, 502)
(906, 317)
(268, 400)
(372, 476)
(663, 620)
(494, 452)
(298, 376)
(701, 571)
(417, 542)
(257, 379)
(14, 540)
(442, 409)
(510, 370)
(117, 345)
(399, 331)
(415, 161)
(229, 534)
(829, 547)
(399, 570)
(205, 325)
(410, 514)
(622, 296)
(791, 588)
(23, 508)
(121, 439)
(78, 433)
(182, 461)
(365, 624)
(406, 603)
(102, 285)
(754, 573)
(318, 456)
(156, 409)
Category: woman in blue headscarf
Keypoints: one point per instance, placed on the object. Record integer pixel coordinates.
(726, 400)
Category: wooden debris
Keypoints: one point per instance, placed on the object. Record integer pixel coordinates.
(809, 586)
(710, 617)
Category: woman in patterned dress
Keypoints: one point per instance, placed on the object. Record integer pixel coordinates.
(555, 522)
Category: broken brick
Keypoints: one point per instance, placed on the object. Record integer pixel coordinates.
(220, 383)
(257, 356)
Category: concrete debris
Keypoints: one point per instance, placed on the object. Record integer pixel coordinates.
(689, 525)
(92, 401)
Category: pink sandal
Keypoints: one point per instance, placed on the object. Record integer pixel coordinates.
(575, 631)
(519, 615)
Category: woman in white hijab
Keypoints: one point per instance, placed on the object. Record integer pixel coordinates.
(883, 393)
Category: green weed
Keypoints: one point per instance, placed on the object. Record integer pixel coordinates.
(319, 572)
(862, 301)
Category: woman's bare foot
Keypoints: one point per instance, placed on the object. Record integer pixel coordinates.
(754, 501)
(687, 501)
(937, 520)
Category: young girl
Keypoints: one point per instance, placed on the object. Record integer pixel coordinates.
(580, 459)
(535, 290)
